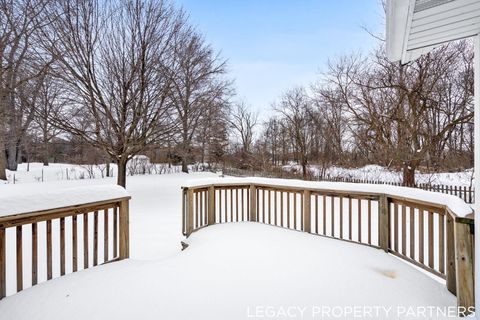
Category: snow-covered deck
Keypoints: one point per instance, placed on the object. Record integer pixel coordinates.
(229, 271)
(237, 271)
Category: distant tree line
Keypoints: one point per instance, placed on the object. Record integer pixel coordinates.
(100, 81)
(365, 109)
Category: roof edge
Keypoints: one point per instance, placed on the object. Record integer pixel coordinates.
(398, 14)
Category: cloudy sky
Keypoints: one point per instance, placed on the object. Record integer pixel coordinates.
(273, 45)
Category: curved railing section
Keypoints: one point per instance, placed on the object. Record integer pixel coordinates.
(430, 230)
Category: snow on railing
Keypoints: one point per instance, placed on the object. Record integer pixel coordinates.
(40, 237)
(430, 230)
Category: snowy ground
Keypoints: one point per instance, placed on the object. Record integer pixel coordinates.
(236, 271)
(379, 173)
(253, 267)
(37, 172)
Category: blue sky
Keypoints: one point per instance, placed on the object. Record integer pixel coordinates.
(273, 45)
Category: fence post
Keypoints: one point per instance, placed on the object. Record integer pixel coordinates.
(253, 203)
(3, 273)
(306, 211)
(124, 239)
(383, 225)
(451, 273)
(464, 262)
(189, 217)
(211, 205)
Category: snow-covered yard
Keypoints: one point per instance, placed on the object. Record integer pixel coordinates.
(229, 271)
(379, 173)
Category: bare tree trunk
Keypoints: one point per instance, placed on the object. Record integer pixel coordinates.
(184, 164)
(408, 175)
(11, 156)
(304, 170)
(108, 168)
(3, 158)
(45, 153)
(122, 171)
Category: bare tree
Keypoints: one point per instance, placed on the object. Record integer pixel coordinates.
(196, 86)
(243, 122)
(50, 104)
(403, 113)
(21, 66)
(113, 58)
(295, 108)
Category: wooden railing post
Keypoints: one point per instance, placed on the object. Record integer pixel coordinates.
(383, 225)
(189, 217)
(211, 205)
(450, 271)
(464, 262)
(253, 203)
(124, 245)
(3, 273)
(306, 211)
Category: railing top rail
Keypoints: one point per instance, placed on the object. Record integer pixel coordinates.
(454, 205)
(37, 201)
(28, 217)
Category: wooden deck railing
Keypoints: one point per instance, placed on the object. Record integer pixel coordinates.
(466, 193)
(48, 228)
(428, 235)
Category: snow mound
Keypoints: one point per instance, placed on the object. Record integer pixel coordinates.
(25, 198)
(253, 266)
(455, 204)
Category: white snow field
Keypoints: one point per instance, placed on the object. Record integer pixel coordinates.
(229, 271)
(379, 173)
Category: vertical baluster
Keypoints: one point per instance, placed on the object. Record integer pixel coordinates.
(49, 249)
(441, 243)
(269, 207)
(258, 204)
(359, 204)
(236, 205)
(95, 238)
(421, 236)
(295, 210)
(332, 209)
(220, 205)
(19, 259)
(3, 264)
(288, 210)
(324, 215)
(231, 204)
(263, 206)
(105, 235)
(341, 217)
(281, 209)
(62, 246)
(430, 240)
(243, 204)
(85, 240)
(205, 207)
(404, 229)
(412, 232)
(197, 211)
(395, 227)
(115, 231)
(74, 243)
(350, 214)
(316, 212)
(302, 220)
(369, 208)
(34, 254)
(275, 207)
